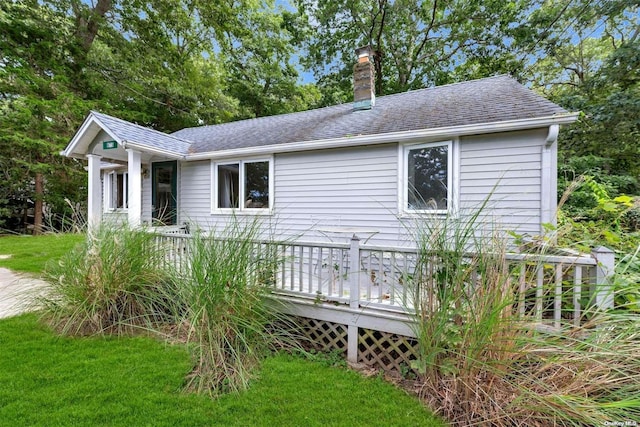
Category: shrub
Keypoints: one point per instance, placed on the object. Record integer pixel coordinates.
(482, 363)
(611, 222)
(627, 281)
(112, 283)
(231, 325)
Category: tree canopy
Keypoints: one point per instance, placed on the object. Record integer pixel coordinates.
(169, 64)
(166, 64)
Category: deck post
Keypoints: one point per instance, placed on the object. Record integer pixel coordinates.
(354, 272)
(354, 297)
(602, 289)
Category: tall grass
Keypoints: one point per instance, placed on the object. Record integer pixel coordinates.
(215, 298)
(481, 363)
(230, 323)
(111, 283)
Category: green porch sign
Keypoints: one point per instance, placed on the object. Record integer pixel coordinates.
(109, 145)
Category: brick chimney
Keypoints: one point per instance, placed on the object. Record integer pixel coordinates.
(364, 96)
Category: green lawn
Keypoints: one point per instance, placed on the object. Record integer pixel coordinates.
(29, 254)
(50, 380)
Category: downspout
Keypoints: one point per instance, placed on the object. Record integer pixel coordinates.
(549, 178)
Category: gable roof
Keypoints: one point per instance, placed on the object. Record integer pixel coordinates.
(485, 105)
(140, 135)
(126, 134)
(493, 99)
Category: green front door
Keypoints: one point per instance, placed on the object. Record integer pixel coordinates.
(163, 192)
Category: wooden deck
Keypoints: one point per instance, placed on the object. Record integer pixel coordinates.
(365, 290)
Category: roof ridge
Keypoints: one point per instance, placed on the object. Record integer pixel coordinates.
(430, 88)
(378, 98)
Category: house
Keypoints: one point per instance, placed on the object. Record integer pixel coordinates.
(369, 167)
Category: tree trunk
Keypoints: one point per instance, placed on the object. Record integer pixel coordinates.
(37, 214)
(87, 27)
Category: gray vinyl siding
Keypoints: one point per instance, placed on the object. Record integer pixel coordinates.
(342, 188)
(115, 218)
(317, 191)
(507, 167)
(146, 195)
(194, 193)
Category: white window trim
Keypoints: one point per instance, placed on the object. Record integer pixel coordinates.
(453, 178)
(241, 209)
(109, 201)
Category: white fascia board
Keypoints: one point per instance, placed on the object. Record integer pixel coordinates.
(77, 138)
(90, 120)
(106, 129)
(153, 150)
(68, 151)
(443, 132)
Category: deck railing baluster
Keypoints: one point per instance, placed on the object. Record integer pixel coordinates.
(341, 270)
(539, 291)
(577, 294)
(557, 304)
(310, 285)
(308, 268)
(392, 278)
(522, 289)
(300, 266)
(320, 265)
(380, 277)
(282, 263)
(330, 273)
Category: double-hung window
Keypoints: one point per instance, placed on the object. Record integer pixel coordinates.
(428, 177)
(116, 189)
(244, 185)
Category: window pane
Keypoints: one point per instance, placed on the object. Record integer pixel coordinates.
(163, 193)
(121, 190)
(427, 178)
(228, 185)
(112, 190)
(256, 185)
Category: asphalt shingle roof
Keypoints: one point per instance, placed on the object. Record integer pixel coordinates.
(127, 131)
(488, 100)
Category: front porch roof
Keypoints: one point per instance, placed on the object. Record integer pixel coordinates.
(127, 135)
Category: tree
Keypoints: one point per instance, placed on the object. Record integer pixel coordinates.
(166, 64)
(585, 56)
(416, 44)
(38, 106)
(218, 61)
(592, 67)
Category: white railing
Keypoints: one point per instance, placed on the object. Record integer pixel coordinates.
(317, 270)
(552, 289)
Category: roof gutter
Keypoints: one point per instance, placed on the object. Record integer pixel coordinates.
(405, 136)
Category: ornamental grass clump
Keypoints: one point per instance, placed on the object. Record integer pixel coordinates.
(230, 322)
(112, 283)
(482, 362)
